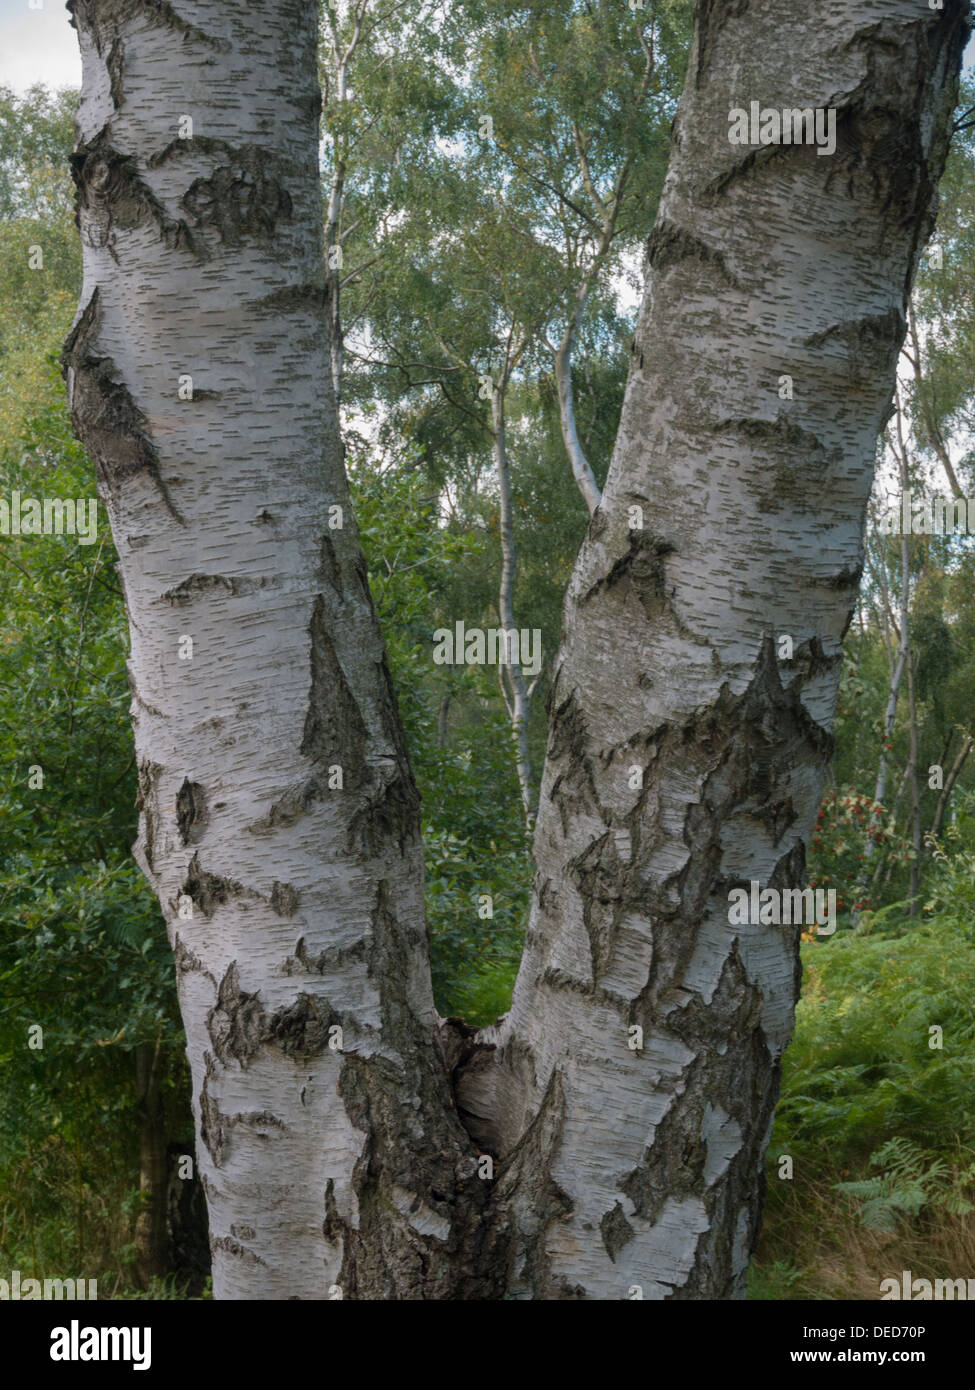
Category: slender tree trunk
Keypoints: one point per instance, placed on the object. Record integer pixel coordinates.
(890, 711)
(151, 1241)
(513, 684)
(342, 55)
(279, 819)
(633, 1088)
(949, 786)
(913, 780)
(907, 655)
(442, 714)
(581, 467)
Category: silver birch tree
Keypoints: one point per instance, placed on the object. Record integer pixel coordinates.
(627, 1099)
(279, 819)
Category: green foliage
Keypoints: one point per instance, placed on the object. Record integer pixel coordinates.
(774, 1282)
(474, 834)
(83, 948)
(912, 1181)
(860, 1067)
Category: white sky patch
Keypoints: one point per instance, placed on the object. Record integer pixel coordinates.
(627, 282)
(37, 46)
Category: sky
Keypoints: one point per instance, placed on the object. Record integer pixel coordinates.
(37, 45)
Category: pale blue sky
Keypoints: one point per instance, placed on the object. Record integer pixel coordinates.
(37, 45)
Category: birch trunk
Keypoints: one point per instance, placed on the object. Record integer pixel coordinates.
(897, 675)
(907, 658)
(514, 688)
(949, 786)
(279, 819)
(687, 747)
(901, 629)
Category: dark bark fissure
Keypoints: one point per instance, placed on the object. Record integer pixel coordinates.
(104, 415)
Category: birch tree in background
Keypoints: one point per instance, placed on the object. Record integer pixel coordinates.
(614, 1127)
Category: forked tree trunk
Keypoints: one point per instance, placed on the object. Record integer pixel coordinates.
(279, 818)
(687, 747)
(685, 757)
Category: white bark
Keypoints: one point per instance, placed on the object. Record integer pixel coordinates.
(645, 1167)
(204, 257)
(328, 1160)
(580, 465)
(902, 626)
(949, 786)
(514, 687)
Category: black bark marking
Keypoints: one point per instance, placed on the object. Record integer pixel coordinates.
(229, 1246)
(329, 571)
(208, 891)
(310, 297)
(240, 199)
(470, 1064)
(332, 958)
(616, 1231)
(601, 877)
(105, 417)
(197, 585)
(333, 1227)
(191, 812)
(186, 962)
(248, 155)
(846, 578)
(669, 245)
(212, 1128)
(391, 808)
(259, 1119)
(145, 804)
(712, 16)
(115, 63)
(643, 567)
(159, 12)
(528, 1194)
(236, 1024)
(870, 340)
(781, 433)
(292, 805)
(284, 899)
(573, 790)
(334, 732)
(301, 1028)
(112, 194)
(388, 814)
